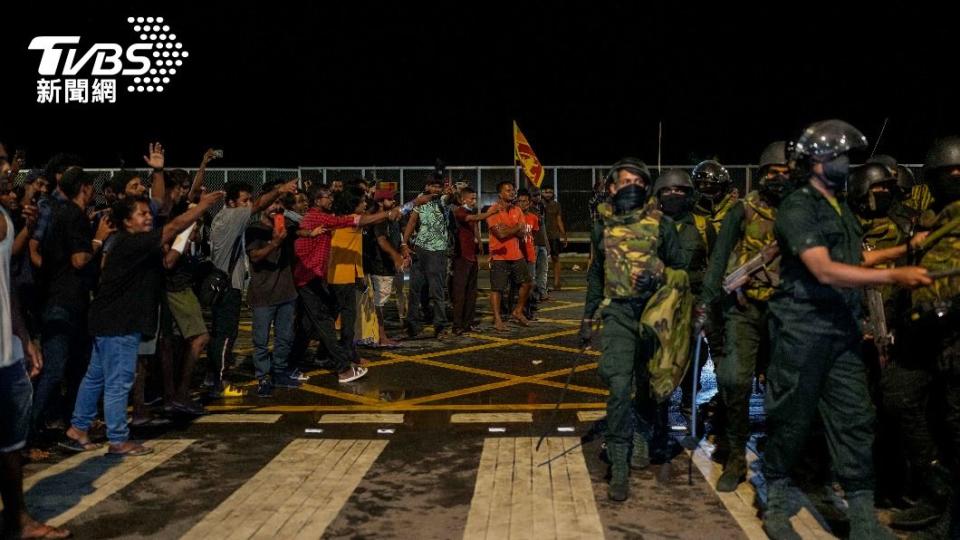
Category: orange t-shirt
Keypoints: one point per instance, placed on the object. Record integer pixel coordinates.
(508, 249)
(529, 249)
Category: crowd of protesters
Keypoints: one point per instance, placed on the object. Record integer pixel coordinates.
(116, 292)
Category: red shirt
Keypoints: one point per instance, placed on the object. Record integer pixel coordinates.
(529, 249)
(313, 253)
(507, 249)
(466, 239)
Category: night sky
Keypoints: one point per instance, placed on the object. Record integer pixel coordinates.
(350, 83)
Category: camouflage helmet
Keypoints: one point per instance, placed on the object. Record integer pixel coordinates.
(774, 154)
(673, 178)
(865, 177)
(827, 139)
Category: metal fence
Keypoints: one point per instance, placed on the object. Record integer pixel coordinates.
(573, 184)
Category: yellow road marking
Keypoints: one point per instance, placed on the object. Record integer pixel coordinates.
(450, 407)
(361, 419)
(591, 416)
(237, 419)
(484, 418)
(338, 394)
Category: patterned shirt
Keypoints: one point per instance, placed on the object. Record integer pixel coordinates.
(313, 253)
(432, 232)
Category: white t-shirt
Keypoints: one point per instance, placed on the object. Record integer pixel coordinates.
(11, 350)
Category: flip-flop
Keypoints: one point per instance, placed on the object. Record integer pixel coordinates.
(74, 445)
(136, 450)
(50, 533)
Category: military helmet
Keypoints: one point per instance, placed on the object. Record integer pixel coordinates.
(887, 161)
(634, 165)
(865, 177)
(774, 154)
(905, 179)
(827, 139)
(944, 153)
(710, 171)
(673, 178)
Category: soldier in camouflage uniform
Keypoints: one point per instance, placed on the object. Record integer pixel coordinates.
(747, 228)
(911, 198)
(633, 246)
(816, 366)
(931, 370)
(676, 198)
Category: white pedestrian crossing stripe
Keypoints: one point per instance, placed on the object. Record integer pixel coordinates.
(63, 491)
(297, 495)
(518, 497)
(372, 418)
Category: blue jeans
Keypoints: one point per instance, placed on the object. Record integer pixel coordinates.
(65, 349)
(15, 395)
(542, 267)
(281, 316)
(112, 370)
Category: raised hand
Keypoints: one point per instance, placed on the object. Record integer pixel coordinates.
(155, 158)
(207, 200)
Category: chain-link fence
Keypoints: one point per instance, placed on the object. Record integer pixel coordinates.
(573, 184)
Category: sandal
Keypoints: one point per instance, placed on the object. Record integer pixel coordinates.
(78, 447)
(355, 372)
(46, 531)
(128, 448)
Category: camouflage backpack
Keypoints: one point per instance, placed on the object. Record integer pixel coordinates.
(667, 315)
(630, 244)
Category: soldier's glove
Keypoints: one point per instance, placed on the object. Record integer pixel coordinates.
(586, 333)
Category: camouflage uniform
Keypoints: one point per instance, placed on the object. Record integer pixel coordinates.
(747, 229)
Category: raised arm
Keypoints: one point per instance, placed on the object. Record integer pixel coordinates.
(265, 200)
(181, 222)
(196, 187)
(155, 160)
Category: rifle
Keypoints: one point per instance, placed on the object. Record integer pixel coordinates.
(742, 274)
(877, 325)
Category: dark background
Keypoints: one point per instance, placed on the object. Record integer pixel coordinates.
(350, 83)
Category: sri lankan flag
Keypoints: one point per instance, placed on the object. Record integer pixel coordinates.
(523, 154)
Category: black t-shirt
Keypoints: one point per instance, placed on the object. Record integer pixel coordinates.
(129, 295)
(271, 279)
(376, 261)
(69, 233)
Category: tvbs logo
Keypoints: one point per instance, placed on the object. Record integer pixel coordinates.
(147, 64)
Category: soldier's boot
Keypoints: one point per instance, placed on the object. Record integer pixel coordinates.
(640, 458)
(619, 488)
(734, 472)
(946, 527)
(863, 518)
(936, 481)
(780, 506)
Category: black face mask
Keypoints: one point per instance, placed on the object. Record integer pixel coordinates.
(674, 204)
(877, 204)
(629, 198)
(835, 172)
(773, 189)
(945, 190)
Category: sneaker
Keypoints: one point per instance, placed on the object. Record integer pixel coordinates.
(264, 388)
(286, 380)
(354, 373)
(298, 375)
(227, 391)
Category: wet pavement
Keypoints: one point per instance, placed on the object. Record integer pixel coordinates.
(308, 462)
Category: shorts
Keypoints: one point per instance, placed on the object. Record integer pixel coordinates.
(555, 245)
(503, 273)
(185, 309)
(382, 289)
(16, 398)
